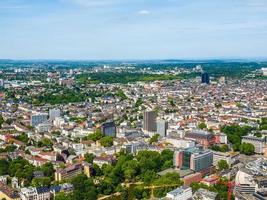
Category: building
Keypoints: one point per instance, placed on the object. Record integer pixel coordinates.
(205, 78)
(8, 193)
(192, 178)
(1, 83)
(38, 119)
(195, 159)
(109, 129)
(44, 127)
(53, 113)
(244, 182)
(258, 143)
(162, 127)
(68, 172)
(149, 121)
(264, 71)
(204, 194)
(230, 157)
(32, 193)
(205, 138)
(180, 193)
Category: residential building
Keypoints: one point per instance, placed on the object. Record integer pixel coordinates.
(8, 193)
(68, 172)
(181, 193)
(38, 118)
(258, 143)
(205, 138)
(53, 113)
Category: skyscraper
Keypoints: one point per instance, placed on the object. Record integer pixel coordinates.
(205, 78)
(109, 129)
(149, 123)
(162, 127)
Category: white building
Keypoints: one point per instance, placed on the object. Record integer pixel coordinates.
(38, 118)
(264, 71)
(53, 113)
(181, 193)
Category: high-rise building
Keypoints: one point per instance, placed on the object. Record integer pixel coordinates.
(53, 113)
(149, 121)
(38, 119)
(162, 127)
(109, 129)
(1, 83)
(205, 78)
(196, 159)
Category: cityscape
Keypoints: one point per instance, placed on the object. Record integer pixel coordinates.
(133, 100)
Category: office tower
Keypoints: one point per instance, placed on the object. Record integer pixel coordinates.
(196, 159)
(109, 129)
(53, 113)
(38, 119)
(205, 78)
(149, 121)
(162, 127)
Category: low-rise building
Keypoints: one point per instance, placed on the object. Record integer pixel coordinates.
(180, 193)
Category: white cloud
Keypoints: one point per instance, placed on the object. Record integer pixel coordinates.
(143, 12)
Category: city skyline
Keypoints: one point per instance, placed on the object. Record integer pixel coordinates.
(116, 29)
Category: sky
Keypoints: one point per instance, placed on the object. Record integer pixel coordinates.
(133, 29)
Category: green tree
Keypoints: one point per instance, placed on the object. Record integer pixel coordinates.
(97, 135)
(106, 141)
(223, 165)
(89, 157)
(247, 148)
(84, 188)
(39, 182)
(1, 120)
(4, 167)
(140, 192)
(48, 169)
(154, 139)
(63, 196)
(202, 125)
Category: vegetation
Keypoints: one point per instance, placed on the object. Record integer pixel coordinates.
(202, 125)
(126, 77)
(223, 165)
(247, 148)
(1, 120)
(235, 133)
(106, 141)
(154, 139)
(222, 148)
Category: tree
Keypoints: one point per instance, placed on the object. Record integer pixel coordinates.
(223, 165)
(202, 125)
(140, 192)
(89, 157)
(48, 169)
(40, 182)
(4, 167)
(97, 135)
(154, 138)
(1, 120)
(84, 188)
(63, 196)
(106, 141)
(247, 148)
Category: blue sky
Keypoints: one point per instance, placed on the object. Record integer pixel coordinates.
(133, 29)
